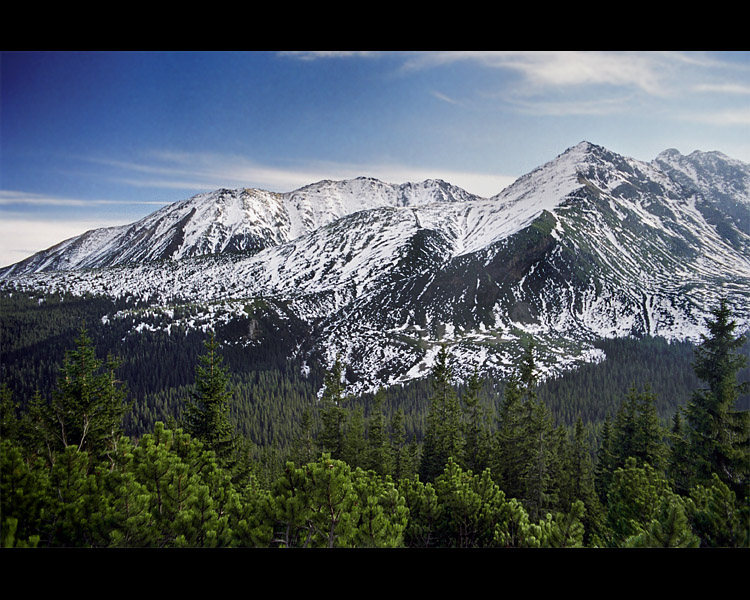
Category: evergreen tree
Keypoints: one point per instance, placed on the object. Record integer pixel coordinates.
(333, 413)
(717, 518)
(669, 529)
(9, 422)
(207, 412)
(605, 462)
(443, 437)
(354, 452)
(303, 448)
(678, 466)
(637, 432)
(634, 499)
(508, 462)
(379, 457)
(88, 405)
(539, 493)
(403, 454)
(475, 455)
(718, 434)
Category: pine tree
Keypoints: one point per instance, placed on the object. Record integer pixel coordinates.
(538, 452)
(354, 452)
(476, 437)
(678, 465)
(88, 405)
(207, 413)
(404, 463)
(508, 462)
(333, 413)
(718, 434)
(637, 432)
(443, 432)
(669, 529)
(379, 457)
(605, 462)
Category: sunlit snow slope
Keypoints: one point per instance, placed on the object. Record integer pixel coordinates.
(589, 245)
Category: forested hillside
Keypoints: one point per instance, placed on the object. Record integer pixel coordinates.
(236, 449)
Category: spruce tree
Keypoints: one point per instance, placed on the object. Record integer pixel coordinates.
(207, 412)
(354, 452)
(443, 437)
(508, 457)
(637, 432)
(719, 434)
(538, 458)
(605, 462)
(379, 457)
(333, 413)
(88, 405)
(678, 465)
(476, 437)
(404, 462)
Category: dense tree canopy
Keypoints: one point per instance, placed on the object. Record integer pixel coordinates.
(497, 474)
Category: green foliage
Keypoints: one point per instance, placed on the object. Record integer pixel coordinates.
(476, 448)
(207, 413)
(470, 507)
(717, 517)
(669, 529)
(87, 408)
(173, 489)
(443, 438)
(379, 453)
(331, 438)
(636, 432)
(634, 498)
(719, 434)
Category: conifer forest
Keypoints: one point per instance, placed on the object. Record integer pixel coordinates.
(651, 449)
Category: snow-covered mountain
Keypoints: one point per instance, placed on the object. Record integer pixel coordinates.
(589, 245)
(238, 221)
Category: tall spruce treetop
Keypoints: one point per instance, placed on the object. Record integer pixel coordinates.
(443, 436)
(333, 414)
(207, 412)
(88, 405)
(719, 434)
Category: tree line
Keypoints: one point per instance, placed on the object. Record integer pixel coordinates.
(501, 475)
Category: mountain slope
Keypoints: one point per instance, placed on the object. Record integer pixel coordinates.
(231, 221)
(589, 245)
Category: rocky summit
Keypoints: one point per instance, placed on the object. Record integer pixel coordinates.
(590, 245)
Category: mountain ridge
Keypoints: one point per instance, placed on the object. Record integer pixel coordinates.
(587, 246)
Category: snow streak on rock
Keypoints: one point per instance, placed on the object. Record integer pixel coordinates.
(589, 245)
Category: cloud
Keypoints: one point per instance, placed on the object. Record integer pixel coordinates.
(724, 118)
(444, 98)
(20, 237)
(545, 69)
(14, 197)
(724, 88)
(564, 83)
(208, 171)
(322, 54)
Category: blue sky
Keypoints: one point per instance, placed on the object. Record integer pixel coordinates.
(90, 139)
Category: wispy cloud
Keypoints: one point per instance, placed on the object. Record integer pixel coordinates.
(728, 117)
(20, 236)
(13, 197)
(544, 69)
(444, 98)
(724, 88)
(321, 54)
(590, 82)
(206, 171)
